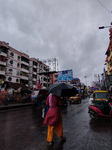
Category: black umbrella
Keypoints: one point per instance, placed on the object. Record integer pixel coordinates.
(62, 89)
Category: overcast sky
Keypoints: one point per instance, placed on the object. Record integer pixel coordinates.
(63, 29)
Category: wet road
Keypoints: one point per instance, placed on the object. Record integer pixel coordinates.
(22, 129)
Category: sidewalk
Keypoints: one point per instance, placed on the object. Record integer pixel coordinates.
(16, 105)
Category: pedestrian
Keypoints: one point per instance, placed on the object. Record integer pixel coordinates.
(53, 118)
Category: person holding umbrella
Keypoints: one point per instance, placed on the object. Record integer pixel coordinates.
(53, 118)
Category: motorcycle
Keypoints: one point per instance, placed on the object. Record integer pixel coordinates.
(100, 109)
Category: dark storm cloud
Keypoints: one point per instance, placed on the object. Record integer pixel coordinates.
(67, 30)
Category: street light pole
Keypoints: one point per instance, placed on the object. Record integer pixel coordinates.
(109, 45)
(85, 80)
(105, 27)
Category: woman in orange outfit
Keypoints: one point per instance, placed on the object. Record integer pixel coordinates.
(53, 118)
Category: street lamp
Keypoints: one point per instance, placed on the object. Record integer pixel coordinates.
(105, 27)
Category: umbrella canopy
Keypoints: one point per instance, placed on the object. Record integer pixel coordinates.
(62, 89)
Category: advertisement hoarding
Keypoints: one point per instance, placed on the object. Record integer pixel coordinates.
(65, 75)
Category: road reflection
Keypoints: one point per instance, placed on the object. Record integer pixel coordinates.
(100, 125)
(57, 147)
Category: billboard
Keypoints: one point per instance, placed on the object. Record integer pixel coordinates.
(34, 94)
(65, 75)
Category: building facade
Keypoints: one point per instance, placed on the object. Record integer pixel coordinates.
(108, 78)
(109, 55)
(18, 70)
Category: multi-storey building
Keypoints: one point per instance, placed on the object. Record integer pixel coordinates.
(3, 61)
(75, 81)
(53, 77)
(16, 67)
(38, 73)
(109, 55)
(108, 77)
(33, 70)
(18, 70)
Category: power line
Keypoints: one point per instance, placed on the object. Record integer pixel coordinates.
(104, 7)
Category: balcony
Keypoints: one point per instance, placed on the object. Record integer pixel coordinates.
(9, 73)
(24, 78)
(35, 67)
(3, 54)
(2, 72)
(25, 63)
(24, 70)
(2, 63)
(35, 73)
(34, 79)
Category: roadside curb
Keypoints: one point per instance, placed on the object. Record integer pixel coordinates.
(12, 106)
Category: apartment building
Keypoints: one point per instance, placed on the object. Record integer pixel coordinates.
(43, 74)
(38, 73)
(3, 61)
(18, 70)
(53, 77)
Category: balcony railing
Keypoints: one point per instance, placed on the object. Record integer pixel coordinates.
(2, 63)
(2, 72)
(25, 63)
(23, 77)
(24, 70)
(34, 79)
(35, 73)
(3, 54)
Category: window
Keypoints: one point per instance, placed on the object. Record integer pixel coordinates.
(11, 62)
(18, 65)
(17, 73)
(17, 80)
(18, 57)
(110, 63)
(9, 78)
(10, 70)
(101, 95)
(11, 54)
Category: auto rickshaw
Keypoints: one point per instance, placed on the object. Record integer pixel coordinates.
(100, 95)
(75, 99)
(100, 105)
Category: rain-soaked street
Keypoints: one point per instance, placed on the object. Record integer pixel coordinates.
(23, 129)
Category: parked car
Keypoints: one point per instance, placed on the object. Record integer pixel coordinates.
(75, 99)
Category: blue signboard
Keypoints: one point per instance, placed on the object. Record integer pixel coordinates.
(65, 75)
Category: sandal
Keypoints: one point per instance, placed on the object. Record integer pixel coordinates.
(51, 143)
